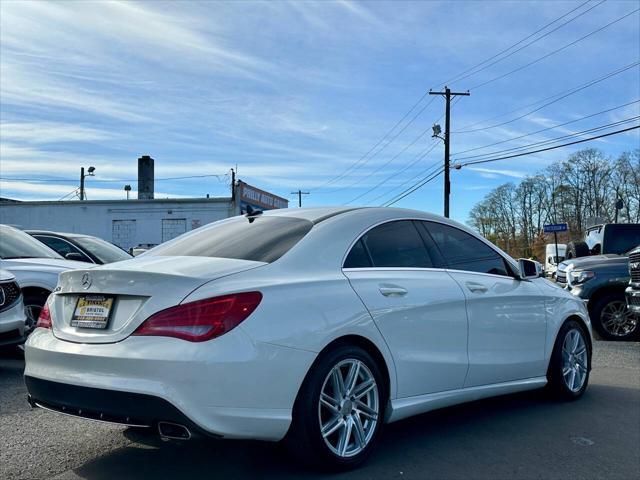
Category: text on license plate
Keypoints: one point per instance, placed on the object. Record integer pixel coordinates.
(92, 311)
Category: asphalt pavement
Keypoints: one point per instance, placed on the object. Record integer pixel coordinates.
(522, 436)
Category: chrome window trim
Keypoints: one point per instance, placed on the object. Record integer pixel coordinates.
(511, 262)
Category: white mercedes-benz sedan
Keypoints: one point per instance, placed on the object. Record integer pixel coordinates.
(316, 326)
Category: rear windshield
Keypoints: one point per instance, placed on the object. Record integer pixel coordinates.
(105, 251)
(620, 238)
(17, 244)
(264, 240)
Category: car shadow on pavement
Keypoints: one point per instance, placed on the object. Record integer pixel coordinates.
(444, 440)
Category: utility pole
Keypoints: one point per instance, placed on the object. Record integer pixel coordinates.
(83, 195)
(448, 94)
(299, 193)
(81, 183)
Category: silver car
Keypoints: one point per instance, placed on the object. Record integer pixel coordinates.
(12, 316)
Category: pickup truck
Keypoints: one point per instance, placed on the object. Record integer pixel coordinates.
(601, 280)
(633, 290)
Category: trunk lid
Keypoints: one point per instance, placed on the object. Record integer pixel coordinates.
(140, 287)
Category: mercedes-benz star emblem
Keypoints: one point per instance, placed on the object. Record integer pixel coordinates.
(86, 280)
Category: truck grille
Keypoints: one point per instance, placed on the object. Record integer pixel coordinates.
(634, 267)
(635, 301)
(9, 294)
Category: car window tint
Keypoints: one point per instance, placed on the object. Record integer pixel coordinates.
(462, 251)
(397, 244)
(263, 239)
(18, 244)
(58, 245)
(358, 257)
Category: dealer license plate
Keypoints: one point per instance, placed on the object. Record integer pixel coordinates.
(92, 311)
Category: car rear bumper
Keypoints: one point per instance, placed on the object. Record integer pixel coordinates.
(633, 299)
(124, 408)
(229, 387)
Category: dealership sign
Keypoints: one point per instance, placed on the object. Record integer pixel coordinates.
(556, 227)
(259, 198)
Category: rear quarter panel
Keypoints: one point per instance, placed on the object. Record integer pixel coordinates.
(301, 312)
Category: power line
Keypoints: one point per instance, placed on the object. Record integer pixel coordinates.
(414, 188)
(462, 77)
(550, 148)
(423, 173)
(546, 142)
(418, 157)
(560, 96)
(584, 37)
(75, 180)
(548, 128)
(363, 158)
(433, 176)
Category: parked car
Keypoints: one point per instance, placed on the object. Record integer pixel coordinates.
(12, 317)
(633, 290)
(35, 266)
(313, 325)
(615, 238)
(83, 248)
(601, 280)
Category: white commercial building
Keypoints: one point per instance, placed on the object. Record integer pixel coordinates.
(130, 223)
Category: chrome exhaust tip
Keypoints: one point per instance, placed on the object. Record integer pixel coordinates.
(173, 431)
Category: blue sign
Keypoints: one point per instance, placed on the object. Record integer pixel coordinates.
(556, 227)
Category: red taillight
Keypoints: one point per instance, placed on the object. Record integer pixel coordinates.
(201, 320)
(44, 320)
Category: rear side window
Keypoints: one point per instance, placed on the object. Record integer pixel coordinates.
(358, 257)
(393, 244)
(462, 251)
(265, 239)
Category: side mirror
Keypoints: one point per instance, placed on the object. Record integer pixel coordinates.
(78, 257)
(528, 269)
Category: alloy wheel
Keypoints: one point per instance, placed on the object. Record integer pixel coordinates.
(617, 319)
(574, 360)
(348, 408)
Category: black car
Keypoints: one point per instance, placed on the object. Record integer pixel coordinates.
(83, 248)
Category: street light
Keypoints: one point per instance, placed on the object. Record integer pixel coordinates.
(437, 130)
(89, 173)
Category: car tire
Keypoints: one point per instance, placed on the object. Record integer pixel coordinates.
(577, 249)
(319, 428)
(613, 320)
(570, 364)
(33, 303)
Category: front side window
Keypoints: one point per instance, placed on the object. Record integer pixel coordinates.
(61, 246)
(462, 251)
(264, 239)
(393, 244)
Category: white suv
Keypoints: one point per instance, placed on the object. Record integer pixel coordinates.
(35, 266)
(12, 318)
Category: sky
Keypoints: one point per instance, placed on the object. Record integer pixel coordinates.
(294, 95)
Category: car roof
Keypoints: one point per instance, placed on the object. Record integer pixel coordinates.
(59, 234)
(318, 214)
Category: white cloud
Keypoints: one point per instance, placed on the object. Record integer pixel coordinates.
(495, 172)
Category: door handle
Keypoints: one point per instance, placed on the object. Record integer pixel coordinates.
(476, 287)
(393, 291)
